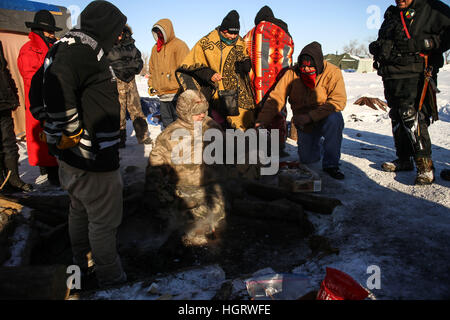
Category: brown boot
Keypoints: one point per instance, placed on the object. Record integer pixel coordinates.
(398, 165)
(141, 127)
(14, 181)
(425, 171)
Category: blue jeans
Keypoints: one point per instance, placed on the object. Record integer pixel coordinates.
(310, 147)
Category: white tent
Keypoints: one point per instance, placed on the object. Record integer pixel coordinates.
(14, 34)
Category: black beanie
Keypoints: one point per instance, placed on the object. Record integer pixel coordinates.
(314, 50)
(231, 23)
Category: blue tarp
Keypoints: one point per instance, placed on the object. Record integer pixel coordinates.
(23, 5)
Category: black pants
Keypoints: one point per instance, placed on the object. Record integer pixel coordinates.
(168, 112)
(8, 143)
(411, 137)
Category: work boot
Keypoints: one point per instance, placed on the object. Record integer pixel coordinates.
(14, 181)
(123, 139)
(53, 176)
(425, 171)
(335, 173)
(147, 140)
(141, 127)
(445, 174)
(398, 165)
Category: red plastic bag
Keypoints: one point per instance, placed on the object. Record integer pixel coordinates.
(340, 286)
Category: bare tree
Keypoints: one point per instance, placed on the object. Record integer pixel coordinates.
(146, 59)
(351, 48)
(357, 49)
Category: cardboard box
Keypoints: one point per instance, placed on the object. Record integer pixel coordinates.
(298, 178)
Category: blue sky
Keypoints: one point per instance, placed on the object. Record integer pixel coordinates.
(331, 22)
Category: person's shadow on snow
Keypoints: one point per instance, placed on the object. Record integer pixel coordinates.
(379, 148)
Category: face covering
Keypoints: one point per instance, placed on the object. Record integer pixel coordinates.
(228, 42)
(160, 42)
(48, 41)
(308, 78)
(51, 40)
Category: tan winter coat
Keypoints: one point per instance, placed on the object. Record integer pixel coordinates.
(184, 175)
(329, 96)
(162, 65)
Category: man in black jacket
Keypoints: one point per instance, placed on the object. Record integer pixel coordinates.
(412, 40)
(9, 152)
(126, 62)
(81, 111)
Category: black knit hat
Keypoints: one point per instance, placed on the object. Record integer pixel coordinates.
(231, 23)
(43, 20)
(314, 50)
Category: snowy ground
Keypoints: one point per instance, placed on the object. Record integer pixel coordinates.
(385, 220)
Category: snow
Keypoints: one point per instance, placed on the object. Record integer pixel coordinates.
(195, 284)
(20, 240)
(385, 220)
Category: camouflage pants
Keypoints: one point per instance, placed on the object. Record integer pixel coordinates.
(129, 100)
(203, 206)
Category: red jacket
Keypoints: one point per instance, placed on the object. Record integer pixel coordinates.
(31, 58)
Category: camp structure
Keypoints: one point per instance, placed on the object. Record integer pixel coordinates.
(350, 63)
(14, 34)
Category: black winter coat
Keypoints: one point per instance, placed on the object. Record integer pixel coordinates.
(80, 91)
(9, 100)
(126, 60)
(397, 57)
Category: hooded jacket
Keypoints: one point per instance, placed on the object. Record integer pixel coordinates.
(80, 91)
(9, 99)
(162, 65)
(270, 48)
(266, 14)
(189, 103)
(125, 58)
(31, 58)
(431, 20)
(328, 96)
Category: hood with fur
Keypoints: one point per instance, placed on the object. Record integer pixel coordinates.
(191, 103)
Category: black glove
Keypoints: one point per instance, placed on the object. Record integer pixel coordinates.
(243, 67)
(374, 48)
(414, 45)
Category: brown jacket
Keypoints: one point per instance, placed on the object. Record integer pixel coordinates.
(329, 96)
(162, 65)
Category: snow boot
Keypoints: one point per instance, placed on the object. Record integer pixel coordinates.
(445, 174)
(123, 139)
(141, 127)
(335, 173)
(398, 165)
(425, 171)
(14, 181)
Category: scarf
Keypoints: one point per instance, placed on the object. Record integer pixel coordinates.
(309, 78)
(160, 42)
(228, 42)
